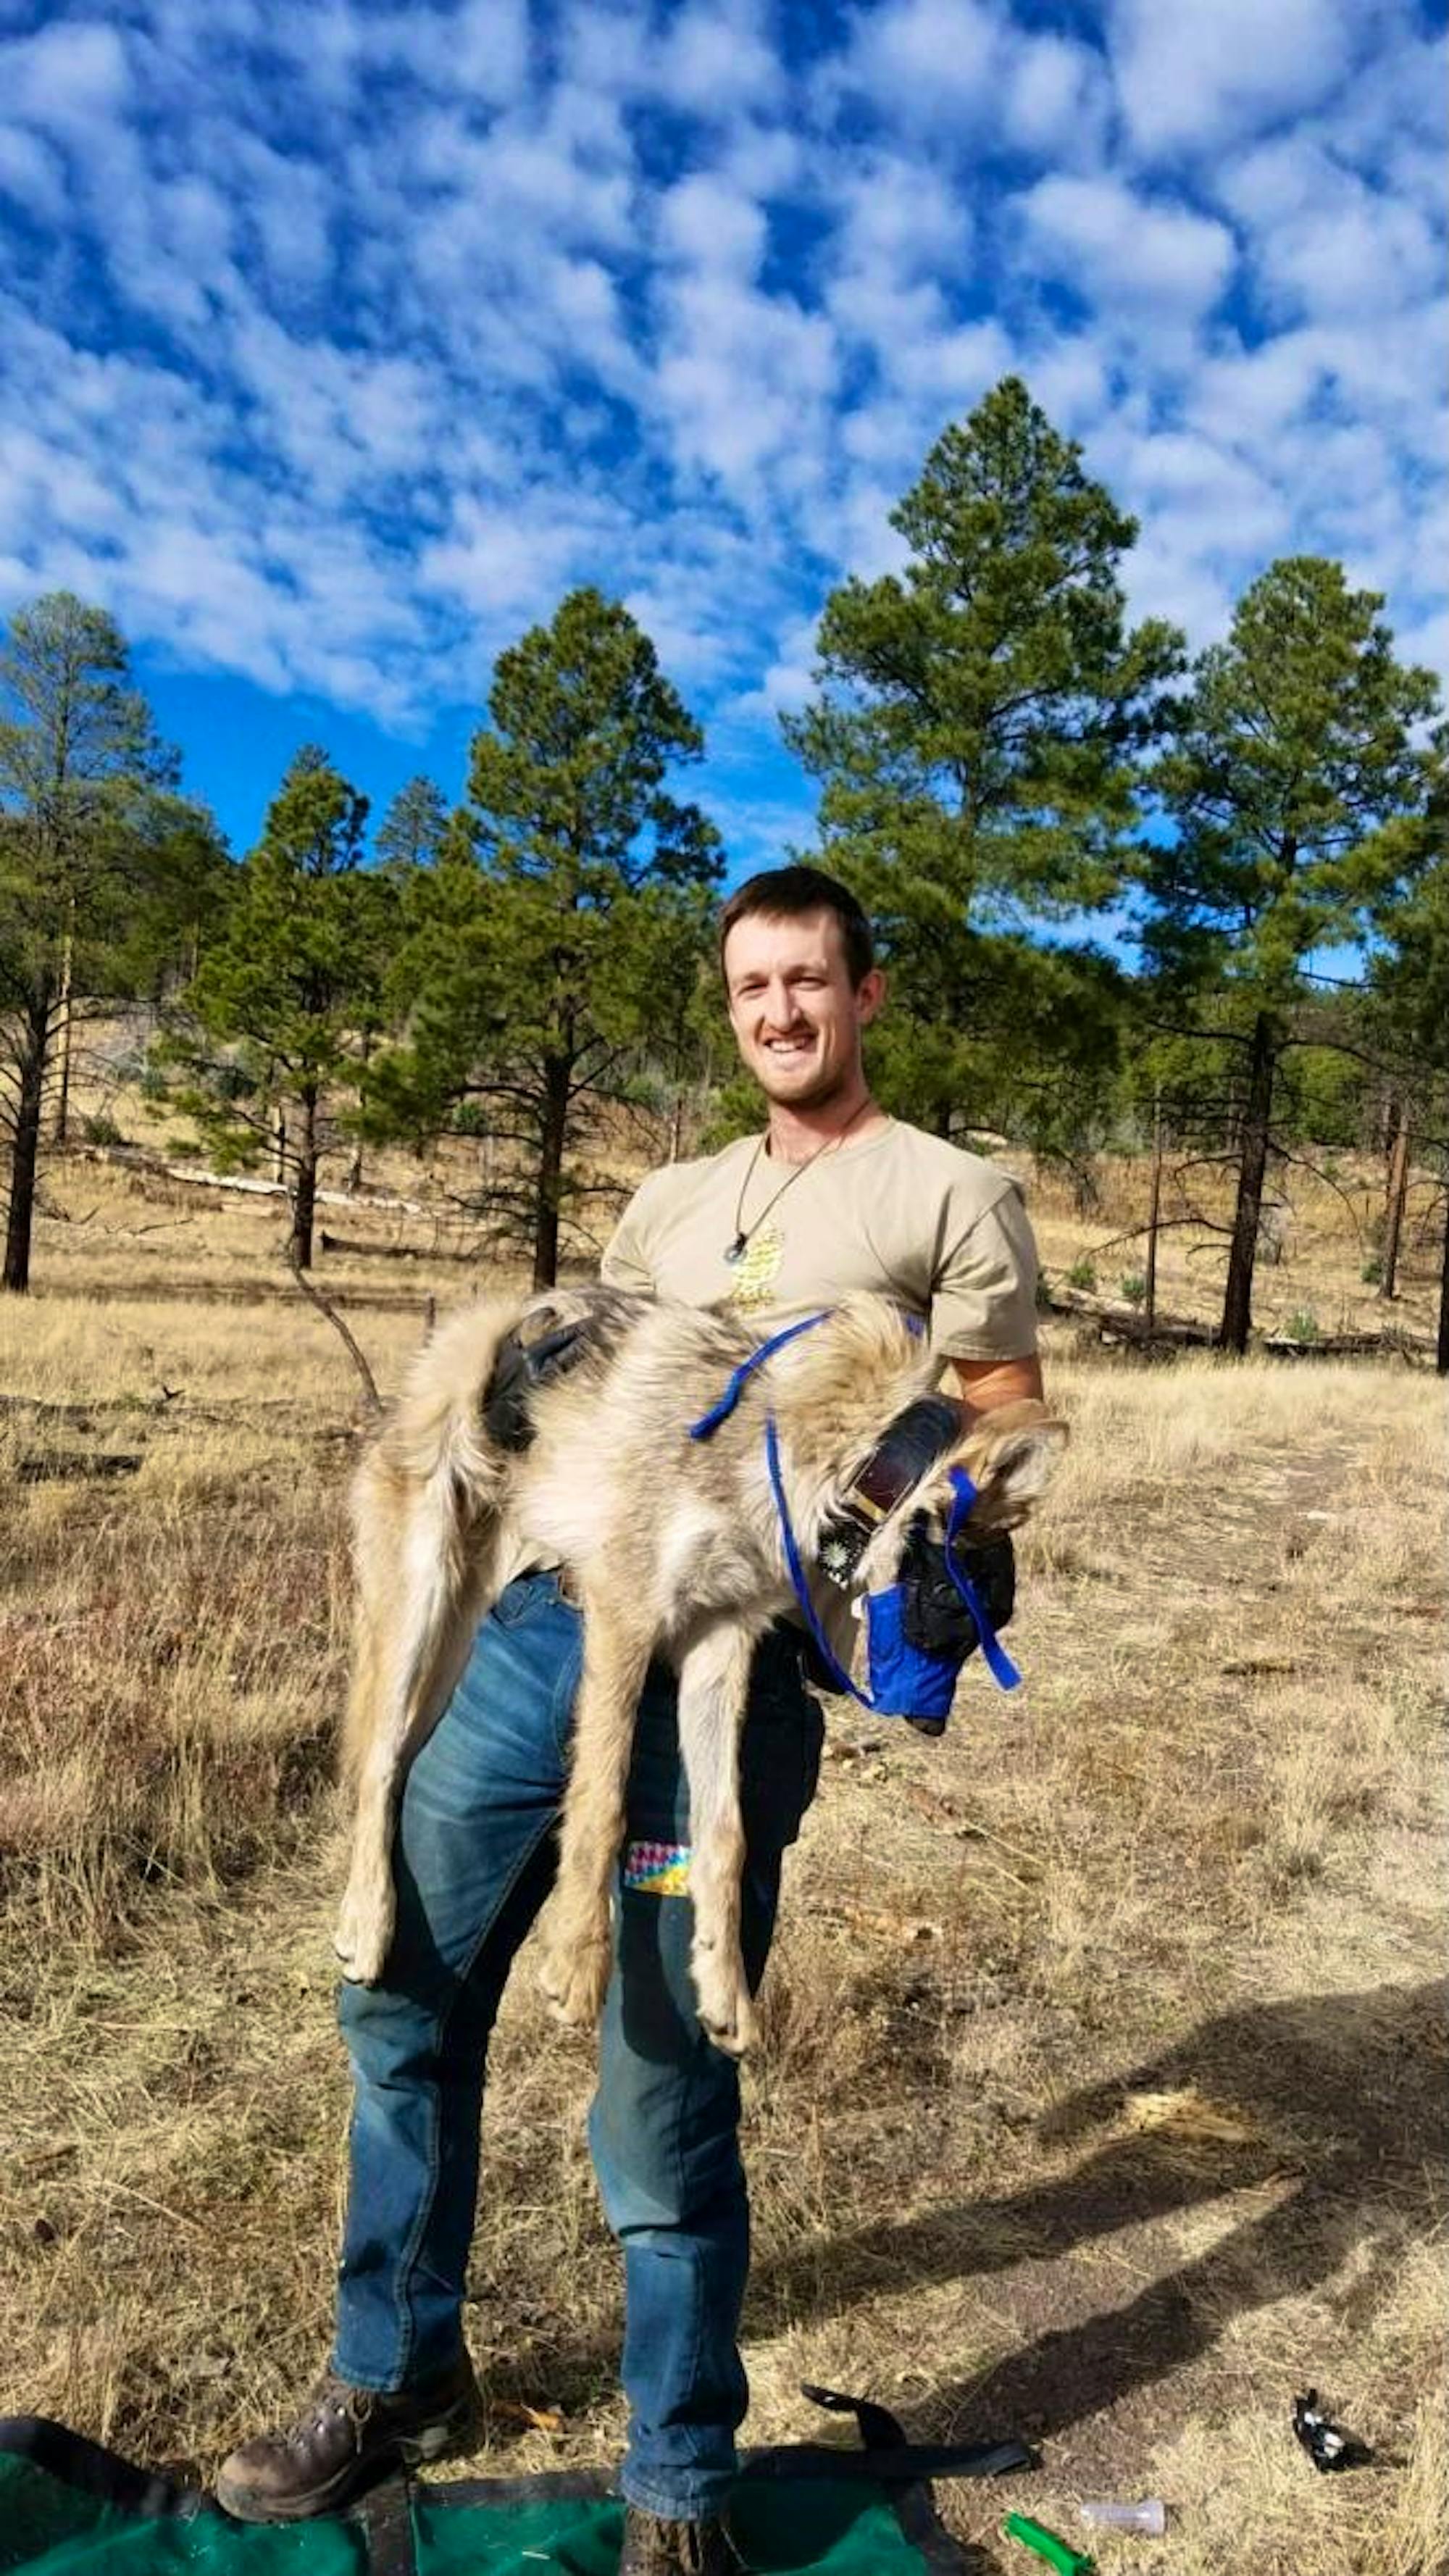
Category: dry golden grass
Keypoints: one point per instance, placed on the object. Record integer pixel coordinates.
(1329, 1231)
(1104, 2079)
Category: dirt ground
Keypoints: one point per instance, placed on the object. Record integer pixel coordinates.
(1103, 2089)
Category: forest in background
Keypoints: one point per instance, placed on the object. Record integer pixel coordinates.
(1133, 902)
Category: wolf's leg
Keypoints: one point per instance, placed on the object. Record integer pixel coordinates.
(363, 1933)
(616, 1658)
(714, 1680)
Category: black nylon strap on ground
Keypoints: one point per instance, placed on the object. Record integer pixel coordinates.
(385, 2518)
(903, 2465)
(93, 2471)
(886, 2454)
(905, 2468)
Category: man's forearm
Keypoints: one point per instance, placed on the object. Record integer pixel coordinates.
(984, 1384)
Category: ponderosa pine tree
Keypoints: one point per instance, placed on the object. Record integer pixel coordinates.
(270, 1020)
(1295, 783)
(564, 914)
(977, 732)
(101, 865)
(414, 828)
(1409, 986)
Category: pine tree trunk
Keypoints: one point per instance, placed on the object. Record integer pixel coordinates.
(304, 1201)
(1252, 1165)
(279, 1145)
(1441, 1356)
(1394, 1208)
(67, 976)
(25, 1146)
(1154, 1216)
(354, 1168)
(556, 1073)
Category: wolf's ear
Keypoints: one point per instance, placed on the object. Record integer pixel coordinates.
(1012, 1457)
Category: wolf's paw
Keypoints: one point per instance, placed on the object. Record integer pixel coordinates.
(574, 1978)
(726, 2013)
(364, 1932)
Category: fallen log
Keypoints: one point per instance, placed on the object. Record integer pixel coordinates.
(1393, 1344)
(137, 1158)
(1117, 1327)
(63, 1467)
(371, 1248)
(82, 1416)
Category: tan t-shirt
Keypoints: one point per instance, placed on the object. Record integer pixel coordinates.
(943, 1232)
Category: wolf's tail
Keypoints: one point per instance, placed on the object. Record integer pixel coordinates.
(420, 1503)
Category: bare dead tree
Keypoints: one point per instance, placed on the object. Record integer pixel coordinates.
(372, 1401)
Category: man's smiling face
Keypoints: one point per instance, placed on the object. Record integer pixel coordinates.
(796, 1016)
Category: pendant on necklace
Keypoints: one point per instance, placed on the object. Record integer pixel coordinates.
(736, 1251)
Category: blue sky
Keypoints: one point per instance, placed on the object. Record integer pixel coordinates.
(338, 340)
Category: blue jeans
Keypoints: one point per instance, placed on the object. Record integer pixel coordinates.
(474, 1859)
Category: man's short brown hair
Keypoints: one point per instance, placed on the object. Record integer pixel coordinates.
(787, 894)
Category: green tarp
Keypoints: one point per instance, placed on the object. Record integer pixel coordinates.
(814, 2524)
(68, 2508)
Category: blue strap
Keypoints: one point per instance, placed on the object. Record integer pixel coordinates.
(801, 1588)
(721, 1411)
(998, 1662)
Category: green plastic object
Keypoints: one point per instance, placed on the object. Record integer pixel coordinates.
(1057, 2552)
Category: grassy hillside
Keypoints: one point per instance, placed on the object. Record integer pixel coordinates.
(1103, 2090)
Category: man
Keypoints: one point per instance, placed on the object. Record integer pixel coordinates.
(833, 1195)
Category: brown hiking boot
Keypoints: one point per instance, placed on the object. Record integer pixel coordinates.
(344, 2440)
(656, 2548)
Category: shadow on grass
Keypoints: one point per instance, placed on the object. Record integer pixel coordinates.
(1344, 2097)
(1347, 2093)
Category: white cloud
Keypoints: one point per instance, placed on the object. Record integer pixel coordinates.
(949, 371)
(1232, 507)
(899, 218)
(1190, 78)
(712, 226)
(31, 173)
(1070, 378)
(1324, 242)
(1055, 97)
(715, 60)
(966, 73)
(929, 62)
(1252, 393)
(742, 380)
(1124, 251)
(66, 78)
(789, 679)
(1425, 640)
(337, 375)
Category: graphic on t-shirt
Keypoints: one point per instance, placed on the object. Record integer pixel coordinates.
(755, 1273)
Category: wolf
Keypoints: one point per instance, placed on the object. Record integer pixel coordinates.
(672, 1546)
